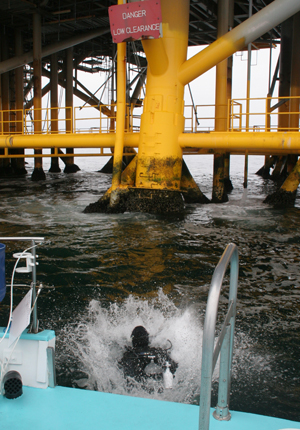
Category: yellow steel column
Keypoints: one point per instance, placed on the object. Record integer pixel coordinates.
(160, 156)
(248, 101)
(120, 121)
(286, 195)
(38, 172)
(219, 192)
(227, 181)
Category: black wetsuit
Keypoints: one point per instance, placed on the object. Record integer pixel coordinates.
(135, 361)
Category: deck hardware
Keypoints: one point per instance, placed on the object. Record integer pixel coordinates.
(224, 344)
(29, 262)
(12, 383)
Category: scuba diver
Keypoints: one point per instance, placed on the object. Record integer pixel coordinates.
(143, 363)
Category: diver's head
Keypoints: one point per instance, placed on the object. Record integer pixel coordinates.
(140, 337)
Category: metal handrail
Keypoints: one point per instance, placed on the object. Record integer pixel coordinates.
(224, 344)
(261, 113)
(33, 240)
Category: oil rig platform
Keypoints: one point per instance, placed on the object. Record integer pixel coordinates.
(144, 124)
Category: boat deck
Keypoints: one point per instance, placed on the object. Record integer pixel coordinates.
(62, 408)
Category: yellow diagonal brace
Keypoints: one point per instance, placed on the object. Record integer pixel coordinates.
(245, 33)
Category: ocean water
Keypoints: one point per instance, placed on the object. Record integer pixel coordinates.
(104, 274)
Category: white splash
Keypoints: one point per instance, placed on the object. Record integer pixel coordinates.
(99, 343)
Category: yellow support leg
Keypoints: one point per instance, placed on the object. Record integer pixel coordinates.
(285, 196)
(160, 156)
(191, 191)
(120, 122)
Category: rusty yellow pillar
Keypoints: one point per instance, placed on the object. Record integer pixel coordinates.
(248, 100)
(157, 168)
(38, 172)
(219, 193)
(285, 196)
(227, 180)
(160, 156)
(120, 122)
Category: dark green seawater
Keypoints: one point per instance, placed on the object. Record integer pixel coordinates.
(105, 274)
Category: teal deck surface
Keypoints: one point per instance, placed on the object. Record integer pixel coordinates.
(63, 408)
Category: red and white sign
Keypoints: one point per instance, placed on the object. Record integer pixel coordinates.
(133, 21)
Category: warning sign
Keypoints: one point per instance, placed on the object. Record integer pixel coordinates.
(133, 21)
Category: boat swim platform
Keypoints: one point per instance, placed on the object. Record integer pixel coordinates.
(61, 407)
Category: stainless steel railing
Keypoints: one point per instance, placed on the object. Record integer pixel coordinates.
(34, 242)
(224, 344)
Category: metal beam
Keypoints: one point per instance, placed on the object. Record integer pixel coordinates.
(21, 60)
(88, 98)
(275, 78)
(235, 40)
(234, 142)
(80, 140)
(254, 143)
